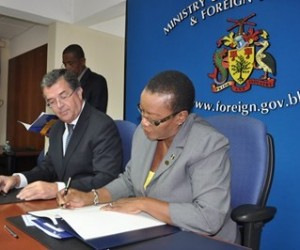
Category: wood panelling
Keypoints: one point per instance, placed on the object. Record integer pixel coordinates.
(25, 100)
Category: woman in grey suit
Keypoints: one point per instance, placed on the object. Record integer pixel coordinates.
(179, 171)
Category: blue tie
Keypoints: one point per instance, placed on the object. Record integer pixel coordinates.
(70, 132)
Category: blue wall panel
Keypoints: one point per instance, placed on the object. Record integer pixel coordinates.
(190, 47)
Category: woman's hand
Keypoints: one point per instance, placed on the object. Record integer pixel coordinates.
(156, 208)
(74, 198)
(126, 205)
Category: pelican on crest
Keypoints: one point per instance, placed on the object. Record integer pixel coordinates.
(265, 60)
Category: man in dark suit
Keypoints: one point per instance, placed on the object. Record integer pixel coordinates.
(93, 155)
(94, 85)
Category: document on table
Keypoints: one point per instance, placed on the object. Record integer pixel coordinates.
(91, 222)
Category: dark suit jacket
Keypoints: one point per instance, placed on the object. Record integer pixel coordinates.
(93, 157)
(95, 90)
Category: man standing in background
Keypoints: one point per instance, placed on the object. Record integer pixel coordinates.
(94, 85)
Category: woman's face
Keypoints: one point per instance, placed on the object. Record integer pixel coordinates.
(154, 110)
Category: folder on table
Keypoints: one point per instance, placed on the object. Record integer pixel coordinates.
(103, 229)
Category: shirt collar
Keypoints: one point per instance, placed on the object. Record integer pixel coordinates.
(82, 73)
(74, 122)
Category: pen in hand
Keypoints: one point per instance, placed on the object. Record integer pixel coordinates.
(11, 232)
(68, 186)
(66, 190)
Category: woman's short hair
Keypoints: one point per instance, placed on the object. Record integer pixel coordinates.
(177, 84)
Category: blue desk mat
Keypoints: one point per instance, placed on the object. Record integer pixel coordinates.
(108, 242)
(10, 197)
(46, 240)
(183, 240)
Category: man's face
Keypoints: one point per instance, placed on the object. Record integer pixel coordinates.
(73, 64)
(65, 102)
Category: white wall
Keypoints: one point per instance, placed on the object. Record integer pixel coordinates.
(104, 55)
(31, 39)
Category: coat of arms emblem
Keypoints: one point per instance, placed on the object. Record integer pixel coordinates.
(239, 54)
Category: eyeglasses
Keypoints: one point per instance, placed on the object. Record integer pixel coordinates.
(61, 98)
(155, 122)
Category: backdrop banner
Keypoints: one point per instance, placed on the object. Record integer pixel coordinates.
(243, 58)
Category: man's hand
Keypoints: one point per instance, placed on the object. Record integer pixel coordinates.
(38, 190)
(8, 182)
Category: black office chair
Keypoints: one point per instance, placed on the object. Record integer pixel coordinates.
(126, 130)
(252, 167)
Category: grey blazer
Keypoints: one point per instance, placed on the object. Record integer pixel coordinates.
(93, 157)
(194, 177)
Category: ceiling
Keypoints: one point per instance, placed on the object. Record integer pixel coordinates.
(102, 15)
(12, 27)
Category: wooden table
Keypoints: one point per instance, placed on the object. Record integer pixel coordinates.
(14, 209)
(176, 241)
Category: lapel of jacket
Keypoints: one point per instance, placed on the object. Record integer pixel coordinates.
(146, 164)
(84, 78)
(57, 149)
(168, 161)
(175, 150)
(77, 135)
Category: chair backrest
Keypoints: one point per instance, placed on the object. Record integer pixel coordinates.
(126, 130)
(251, 155)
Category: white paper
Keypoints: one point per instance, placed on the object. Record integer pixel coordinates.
(52, 214)
(27, 218)
(91, 222)
(26, 125)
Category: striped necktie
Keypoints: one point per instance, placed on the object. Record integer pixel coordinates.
(70, 132)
